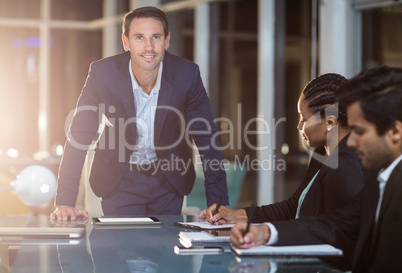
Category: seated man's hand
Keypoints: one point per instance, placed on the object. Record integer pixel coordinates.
(257, 235)
(65, 213)
(225, 215)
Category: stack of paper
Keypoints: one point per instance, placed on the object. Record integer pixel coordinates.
(190, 239)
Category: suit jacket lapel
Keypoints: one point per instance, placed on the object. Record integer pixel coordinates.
(390, 189)
(164, 100)
(124, 86)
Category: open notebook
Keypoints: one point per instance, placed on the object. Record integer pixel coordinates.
(36, 228)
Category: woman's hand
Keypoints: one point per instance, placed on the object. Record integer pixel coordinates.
(225, 215)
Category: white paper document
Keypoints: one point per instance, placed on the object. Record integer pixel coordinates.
(203, 225)
(303, 250)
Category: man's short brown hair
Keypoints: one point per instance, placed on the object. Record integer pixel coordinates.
(145, 12)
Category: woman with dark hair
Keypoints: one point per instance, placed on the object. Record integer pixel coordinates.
(334, 175)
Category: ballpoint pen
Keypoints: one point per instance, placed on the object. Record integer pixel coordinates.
(218, 205)
(252, 209)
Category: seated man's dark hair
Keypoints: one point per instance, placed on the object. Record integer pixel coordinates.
(379, 93)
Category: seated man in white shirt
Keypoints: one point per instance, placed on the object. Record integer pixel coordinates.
(369, 228)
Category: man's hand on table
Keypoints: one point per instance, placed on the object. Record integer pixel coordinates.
(66, 213)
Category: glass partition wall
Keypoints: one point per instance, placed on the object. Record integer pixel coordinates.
(382, 36)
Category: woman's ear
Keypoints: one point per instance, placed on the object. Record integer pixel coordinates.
(331, 122)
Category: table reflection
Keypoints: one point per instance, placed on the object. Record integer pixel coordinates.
(138, 249)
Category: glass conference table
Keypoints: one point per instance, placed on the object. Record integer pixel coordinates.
(146, 249)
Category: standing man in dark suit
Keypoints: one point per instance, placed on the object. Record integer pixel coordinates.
(370, 226)
(151, 104)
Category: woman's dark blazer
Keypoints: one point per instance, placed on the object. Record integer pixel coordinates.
(339, 180)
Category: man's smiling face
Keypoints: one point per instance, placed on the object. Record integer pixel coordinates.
(146, 43)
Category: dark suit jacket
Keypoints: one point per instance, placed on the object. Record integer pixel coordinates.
(377, 248)
(333, 187)
(183, 107)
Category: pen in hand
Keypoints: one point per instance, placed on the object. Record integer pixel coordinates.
(252, 209)
(218, 205)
